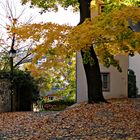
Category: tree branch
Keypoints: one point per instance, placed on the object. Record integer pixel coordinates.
(20, 62)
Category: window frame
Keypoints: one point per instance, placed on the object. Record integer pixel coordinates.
(107, 89)
(51, 98)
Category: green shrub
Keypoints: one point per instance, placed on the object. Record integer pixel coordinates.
(56, 105)
(25, 89)
(132, 88)
(62, 102)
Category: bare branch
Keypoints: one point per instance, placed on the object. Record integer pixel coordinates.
(28, 54)
(20, 62)
(4, 49)
(21, 13)
(14, 8)
(30, 19)
(10, 9)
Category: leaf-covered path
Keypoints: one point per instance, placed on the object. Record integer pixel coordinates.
(119, 120)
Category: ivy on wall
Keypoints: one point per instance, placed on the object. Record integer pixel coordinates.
(25, 89)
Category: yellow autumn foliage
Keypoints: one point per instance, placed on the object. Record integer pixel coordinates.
(108, 33)
(49, 40)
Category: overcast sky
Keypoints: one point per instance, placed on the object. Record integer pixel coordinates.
(63, 16)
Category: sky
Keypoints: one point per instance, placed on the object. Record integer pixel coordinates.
(61, 17)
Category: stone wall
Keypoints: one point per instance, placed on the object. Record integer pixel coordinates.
(5, 98)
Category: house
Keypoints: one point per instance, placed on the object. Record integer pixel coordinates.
(52, 94)
(114, 83)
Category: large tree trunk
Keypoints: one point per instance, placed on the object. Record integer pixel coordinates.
(93, 74)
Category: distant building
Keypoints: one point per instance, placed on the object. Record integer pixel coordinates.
(52, 94)
(40, 62)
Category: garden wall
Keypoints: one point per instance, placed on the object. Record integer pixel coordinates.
(5, 98)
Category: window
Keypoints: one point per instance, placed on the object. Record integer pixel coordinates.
(105, 81)
(51, 98)
(101, 8)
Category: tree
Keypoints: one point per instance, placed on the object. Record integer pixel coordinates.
(11, 20)
(51, 58)
(92, 70)
(111, 34)
(24, 50)
(61, 78)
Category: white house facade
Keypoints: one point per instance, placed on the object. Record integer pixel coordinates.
(114, 83)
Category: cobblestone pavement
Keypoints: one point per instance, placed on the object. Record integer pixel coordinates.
(119, 120)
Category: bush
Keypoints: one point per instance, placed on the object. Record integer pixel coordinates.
(62, 102)
(57, 105)
(25, 89)
(132, 88)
